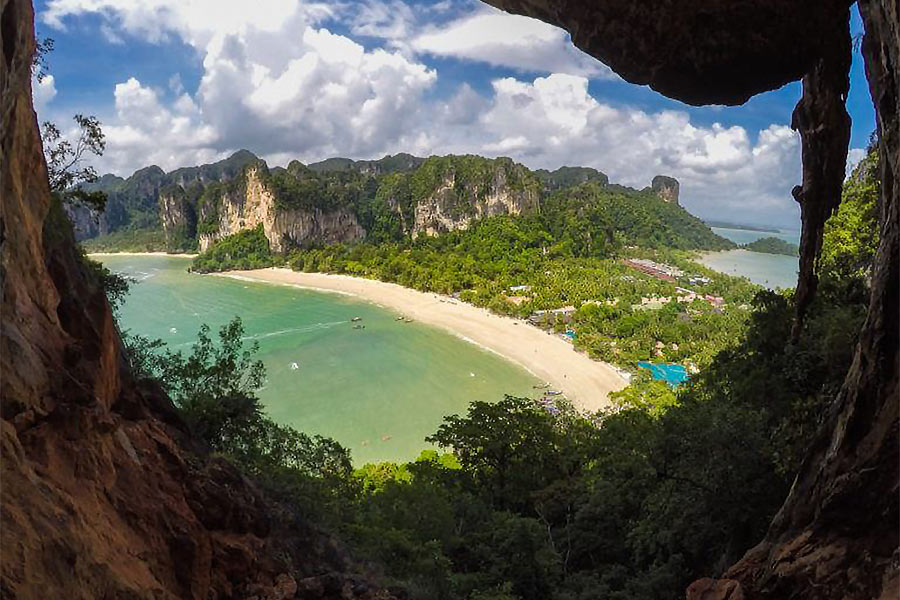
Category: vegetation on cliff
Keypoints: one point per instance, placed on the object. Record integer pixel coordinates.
(247, 249)
(394, 199)
(772, 245)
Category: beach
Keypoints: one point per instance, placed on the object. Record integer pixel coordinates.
(177, 255)
(585, 382)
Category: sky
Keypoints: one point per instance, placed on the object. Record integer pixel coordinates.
(185, 82)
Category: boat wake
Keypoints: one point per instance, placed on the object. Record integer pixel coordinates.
(305, 329)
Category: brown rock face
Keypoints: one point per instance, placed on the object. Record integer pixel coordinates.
(253, 203)
(103, 493)
(697, 51)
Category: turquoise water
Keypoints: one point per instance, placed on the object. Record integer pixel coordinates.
(769, 270)
(744, 236)
(379, 391)
(672, 373)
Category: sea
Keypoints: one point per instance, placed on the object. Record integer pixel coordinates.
(770, 270)
(378, 390)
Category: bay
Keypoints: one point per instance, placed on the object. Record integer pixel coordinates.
(379, 391)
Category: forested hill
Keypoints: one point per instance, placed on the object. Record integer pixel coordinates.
(392, 199)
(636, 218)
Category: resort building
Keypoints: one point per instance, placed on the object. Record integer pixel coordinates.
(563, 314)
(654, 269)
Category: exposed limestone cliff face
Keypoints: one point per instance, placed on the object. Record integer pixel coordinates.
(104, 494)
(252, 203)
(456, 202)
(666, 188)
(86, 222)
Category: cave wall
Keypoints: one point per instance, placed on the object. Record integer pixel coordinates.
(104, 494)
(696, 51)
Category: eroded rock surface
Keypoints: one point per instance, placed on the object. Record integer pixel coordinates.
(253, 203)
(103, 493)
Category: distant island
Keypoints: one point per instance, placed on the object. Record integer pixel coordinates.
(727, 225)
(773, 245)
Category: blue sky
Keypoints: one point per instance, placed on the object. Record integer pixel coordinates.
(186, 82)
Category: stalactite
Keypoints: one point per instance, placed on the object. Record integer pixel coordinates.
(824, 125)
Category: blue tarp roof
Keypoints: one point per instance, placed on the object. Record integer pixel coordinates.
(672, 373)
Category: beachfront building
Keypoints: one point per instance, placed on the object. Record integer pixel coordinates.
(654, 269)
(555, 315)
(520, 288)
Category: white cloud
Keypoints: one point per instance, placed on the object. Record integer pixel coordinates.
(512, 41)
(197, 21)
(276, 83)
(43, 92)
(554, 121)
(391, 20)
(853, 157)
(271, 82)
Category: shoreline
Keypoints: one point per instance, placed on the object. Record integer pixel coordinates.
(584, 381)
(178, 255)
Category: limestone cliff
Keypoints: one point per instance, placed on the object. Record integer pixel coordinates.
(86, 222)
(666, 188)
(449, 192)
(251, 202)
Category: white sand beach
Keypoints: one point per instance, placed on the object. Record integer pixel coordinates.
(584, 381)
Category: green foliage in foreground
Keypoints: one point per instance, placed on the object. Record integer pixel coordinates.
(215, 389)
(773, 245)
(538, 504)
(851, 235)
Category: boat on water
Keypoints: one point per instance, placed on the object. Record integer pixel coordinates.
(294, 366)
(542, 386)
(355, 319)
(359, 327)
(406, 320)
(553, 393)
(400, 318)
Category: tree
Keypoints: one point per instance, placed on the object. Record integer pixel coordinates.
(39, 67)
(65, 167)
(64, 159)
